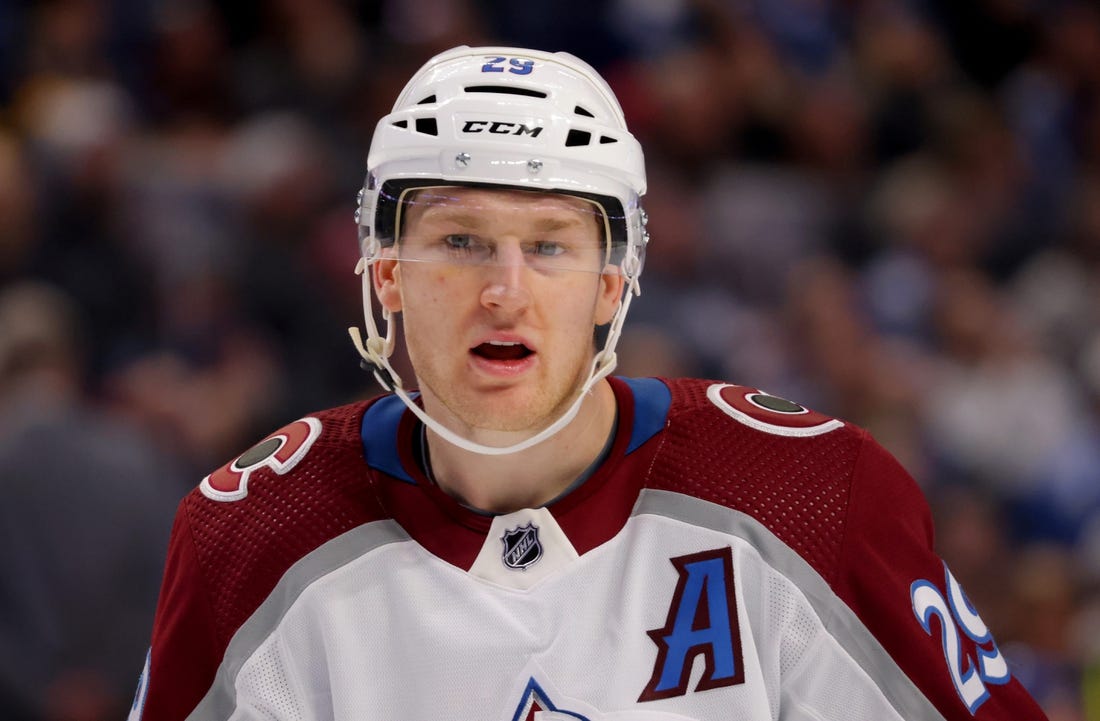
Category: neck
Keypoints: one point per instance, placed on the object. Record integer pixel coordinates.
(532, 477)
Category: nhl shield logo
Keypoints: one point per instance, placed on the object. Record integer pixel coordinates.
(521, 547)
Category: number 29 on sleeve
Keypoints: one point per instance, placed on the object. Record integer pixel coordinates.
(955, 614)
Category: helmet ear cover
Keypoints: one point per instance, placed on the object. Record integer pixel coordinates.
(392, 191)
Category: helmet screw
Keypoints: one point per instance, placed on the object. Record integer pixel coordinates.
(462, 159)
(534, 165)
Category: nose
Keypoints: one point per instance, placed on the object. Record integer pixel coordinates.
(506, 288)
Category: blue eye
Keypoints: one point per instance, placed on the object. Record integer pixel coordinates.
(465, 248)
(548, 249)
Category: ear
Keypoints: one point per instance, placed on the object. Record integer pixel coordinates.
(610, 295)
(386, 276)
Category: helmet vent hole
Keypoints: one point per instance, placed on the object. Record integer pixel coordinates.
(604, 140)
(583, 111)
(506, 90)
(426, 126)
(577, 137)
(427, 100)
(400, 123)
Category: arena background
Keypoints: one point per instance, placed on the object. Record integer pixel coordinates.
(886, 210)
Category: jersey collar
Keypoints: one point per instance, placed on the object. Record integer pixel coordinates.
(387, 425)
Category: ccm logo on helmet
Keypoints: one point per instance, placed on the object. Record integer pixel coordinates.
(280, 452)
(498, 127)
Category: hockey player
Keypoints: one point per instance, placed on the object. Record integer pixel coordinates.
(527, 536)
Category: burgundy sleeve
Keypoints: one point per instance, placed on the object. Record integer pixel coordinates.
(185, 653)
(892, 578)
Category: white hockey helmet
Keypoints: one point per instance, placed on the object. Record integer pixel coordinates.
(511, 118)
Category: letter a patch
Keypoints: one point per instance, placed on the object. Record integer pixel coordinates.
(702, 620)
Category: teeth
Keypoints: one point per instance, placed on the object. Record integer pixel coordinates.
(503, 342)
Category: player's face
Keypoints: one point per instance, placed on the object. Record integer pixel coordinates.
(499, 293)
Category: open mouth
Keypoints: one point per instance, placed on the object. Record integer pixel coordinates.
(501, 351)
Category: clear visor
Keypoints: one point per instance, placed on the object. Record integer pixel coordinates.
(490, 227)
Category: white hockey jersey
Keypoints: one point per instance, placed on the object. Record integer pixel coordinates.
(735, 557)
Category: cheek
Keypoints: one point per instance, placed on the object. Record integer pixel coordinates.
(579, 309)
(585, 304)
(431, 302)
(404, 286)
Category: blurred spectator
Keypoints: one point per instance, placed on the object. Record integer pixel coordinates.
(84, 524)
(1016, 409)
(1045, 593)
(78, 141)
(18, 200)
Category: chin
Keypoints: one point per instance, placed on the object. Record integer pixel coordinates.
(508, 418)
(512, 412)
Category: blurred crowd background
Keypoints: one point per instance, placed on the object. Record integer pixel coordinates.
(888, 210)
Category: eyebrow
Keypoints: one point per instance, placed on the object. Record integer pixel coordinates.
(466, 219)
(459, 217)
(558, 223)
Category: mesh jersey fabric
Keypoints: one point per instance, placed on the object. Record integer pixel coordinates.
(833, 501)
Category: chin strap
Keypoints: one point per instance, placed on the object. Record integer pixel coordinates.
(376, 352)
